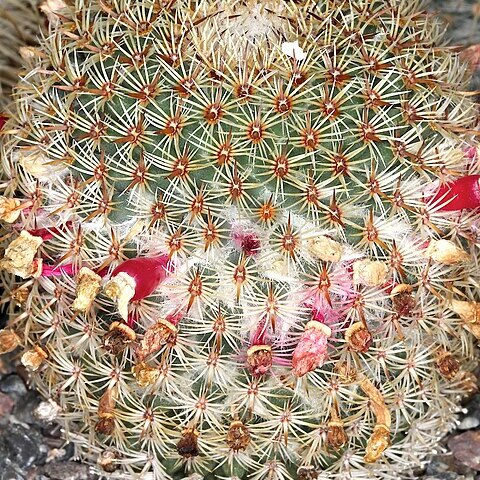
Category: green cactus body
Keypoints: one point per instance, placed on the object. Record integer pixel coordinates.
(231, 256)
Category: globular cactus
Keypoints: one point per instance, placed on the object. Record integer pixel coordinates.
(243, 236)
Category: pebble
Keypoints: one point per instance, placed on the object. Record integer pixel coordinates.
(468, 423)
(13, 384)
(466, 448)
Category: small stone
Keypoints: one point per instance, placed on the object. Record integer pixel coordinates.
(466, 448)
(468, 423)
(13, 384)
(6, 404)
(24, 445)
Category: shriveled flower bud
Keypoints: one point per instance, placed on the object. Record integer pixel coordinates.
(108, 460)
(187, 446)
(117, 339)
(336, 436)
(106, 409)
(19, 256)
(33, 359)
(378, 442)
(20, 295)
(402, 299)
(238, 436)
(311, 350)
(155, 337)
(9, 341)
(446, 252)
(88, 286)
(468, 382)
(9, 209)
(325, 248)
(145, 374)
(307, 472)
(259, 359)
(447, 364)
(358, 337)
(371, 273)
(346, 373)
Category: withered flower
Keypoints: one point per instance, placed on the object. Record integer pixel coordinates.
(238, 436)
(259, 359)
(187, 446)
(118, 337)
(358, 337)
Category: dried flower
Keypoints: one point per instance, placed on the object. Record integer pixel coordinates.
(371, 273)
(155, 337)
(403, 301)
(324, 248)
(336, 436)
(445, 251)
(145, 374)
(9, 209)
(358, 337)
(187, 446)
(9, 341)
(33, 359)
(238, 436)
(88, 286)
(106, 415)
(311, 350)
(259, 359)
(447, 365)
(118, 337)
(20, 255)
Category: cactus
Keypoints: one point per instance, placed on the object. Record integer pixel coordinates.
(242, 236)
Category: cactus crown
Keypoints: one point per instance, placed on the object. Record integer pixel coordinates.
(236, 265)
